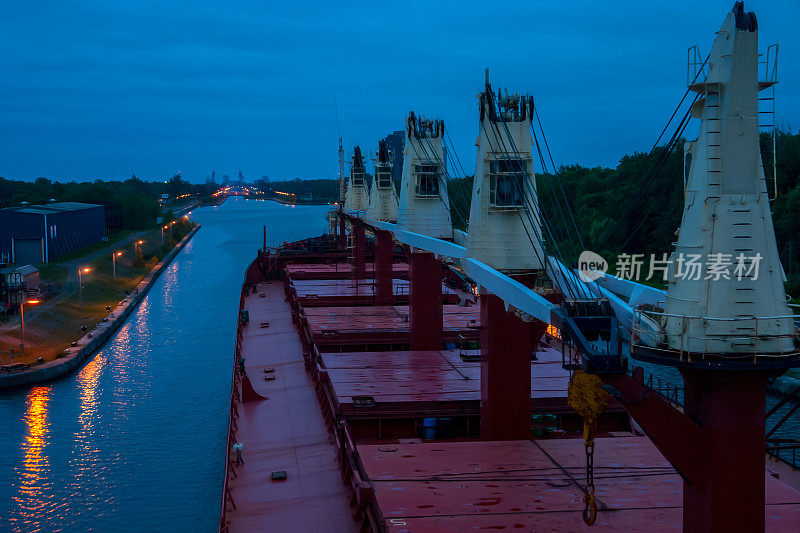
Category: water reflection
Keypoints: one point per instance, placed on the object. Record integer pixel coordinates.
(33, 476)
(133, 440)
(88, 379)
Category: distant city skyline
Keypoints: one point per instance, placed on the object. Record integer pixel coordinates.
(102, 90)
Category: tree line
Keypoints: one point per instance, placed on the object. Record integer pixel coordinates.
(133, 203)
(629, 208)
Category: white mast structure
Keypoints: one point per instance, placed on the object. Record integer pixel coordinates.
(504, 225)
(735, 302)
(357, 197)
(424, 203)
(382, 198)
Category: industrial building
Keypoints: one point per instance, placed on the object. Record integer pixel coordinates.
(33, 234)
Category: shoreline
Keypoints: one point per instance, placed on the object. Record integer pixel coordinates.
(95, 339)
(309, 202)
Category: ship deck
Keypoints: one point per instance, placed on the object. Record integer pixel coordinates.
(387, 394)
(285, 431)
(349, 422)
(386, 324)
(347, 292)
(535, 486)
(339, 270)
(418, 378)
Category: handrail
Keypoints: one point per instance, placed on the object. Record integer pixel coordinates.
(695, 66)
(753, 322)
(247, 282)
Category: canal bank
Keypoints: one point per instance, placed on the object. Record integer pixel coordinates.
(134, 439)
(87, 345)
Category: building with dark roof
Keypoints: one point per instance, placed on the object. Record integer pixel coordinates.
(33, 234)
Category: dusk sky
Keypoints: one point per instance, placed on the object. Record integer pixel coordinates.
(102, 89)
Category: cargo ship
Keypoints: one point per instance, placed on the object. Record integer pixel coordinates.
(400, 374)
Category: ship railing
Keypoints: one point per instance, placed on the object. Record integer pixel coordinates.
(468, 350)
(755, 337)
(232, 416)
(785, 450)
(663, 387)
(354, 474)
(399, 288)
(350, 463)
(769, 62)
(252, 276)
(696, 71)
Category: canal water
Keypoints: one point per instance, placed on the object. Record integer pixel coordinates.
(134, 441)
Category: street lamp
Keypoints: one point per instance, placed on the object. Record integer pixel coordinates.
(22, 322)
(114, 262)
(81, 272)
(162, 233)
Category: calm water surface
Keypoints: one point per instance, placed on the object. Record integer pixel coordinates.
(134, 440)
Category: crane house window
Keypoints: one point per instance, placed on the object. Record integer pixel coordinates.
(427, 179)
(507, 182)
(384, 178)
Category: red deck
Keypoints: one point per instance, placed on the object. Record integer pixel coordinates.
(341, 326)
(284, 432)
(336, 292)
(339, 270)
(432, 376)
(462, 486)
(433, 486)
(388, 394)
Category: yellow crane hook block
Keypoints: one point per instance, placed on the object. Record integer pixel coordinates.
(589, 400)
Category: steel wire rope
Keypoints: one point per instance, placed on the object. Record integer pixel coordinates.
(579, 288)
(557, 175)
(439, 178)
(665, 154)
(535, 200)
(540, 211)
(521, 189)
(617, 225)
(440, 163)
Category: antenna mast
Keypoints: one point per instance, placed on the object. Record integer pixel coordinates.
(342, 186)
(341, 173)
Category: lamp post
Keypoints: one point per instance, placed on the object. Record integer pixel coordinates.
(22, 322)
(114, 262)
(81, 272)
(162, 233)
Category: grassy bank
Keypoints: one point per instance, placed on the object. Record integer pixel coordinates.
(52, 325)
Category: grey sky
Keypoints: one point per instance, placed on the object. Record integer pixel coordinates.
(101, 89)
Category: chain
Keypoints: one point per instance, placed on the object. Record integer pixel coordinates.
(589, 399)
(590, 511)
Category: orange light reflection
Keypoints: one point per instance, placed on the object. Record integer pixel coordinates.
(35, 463)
